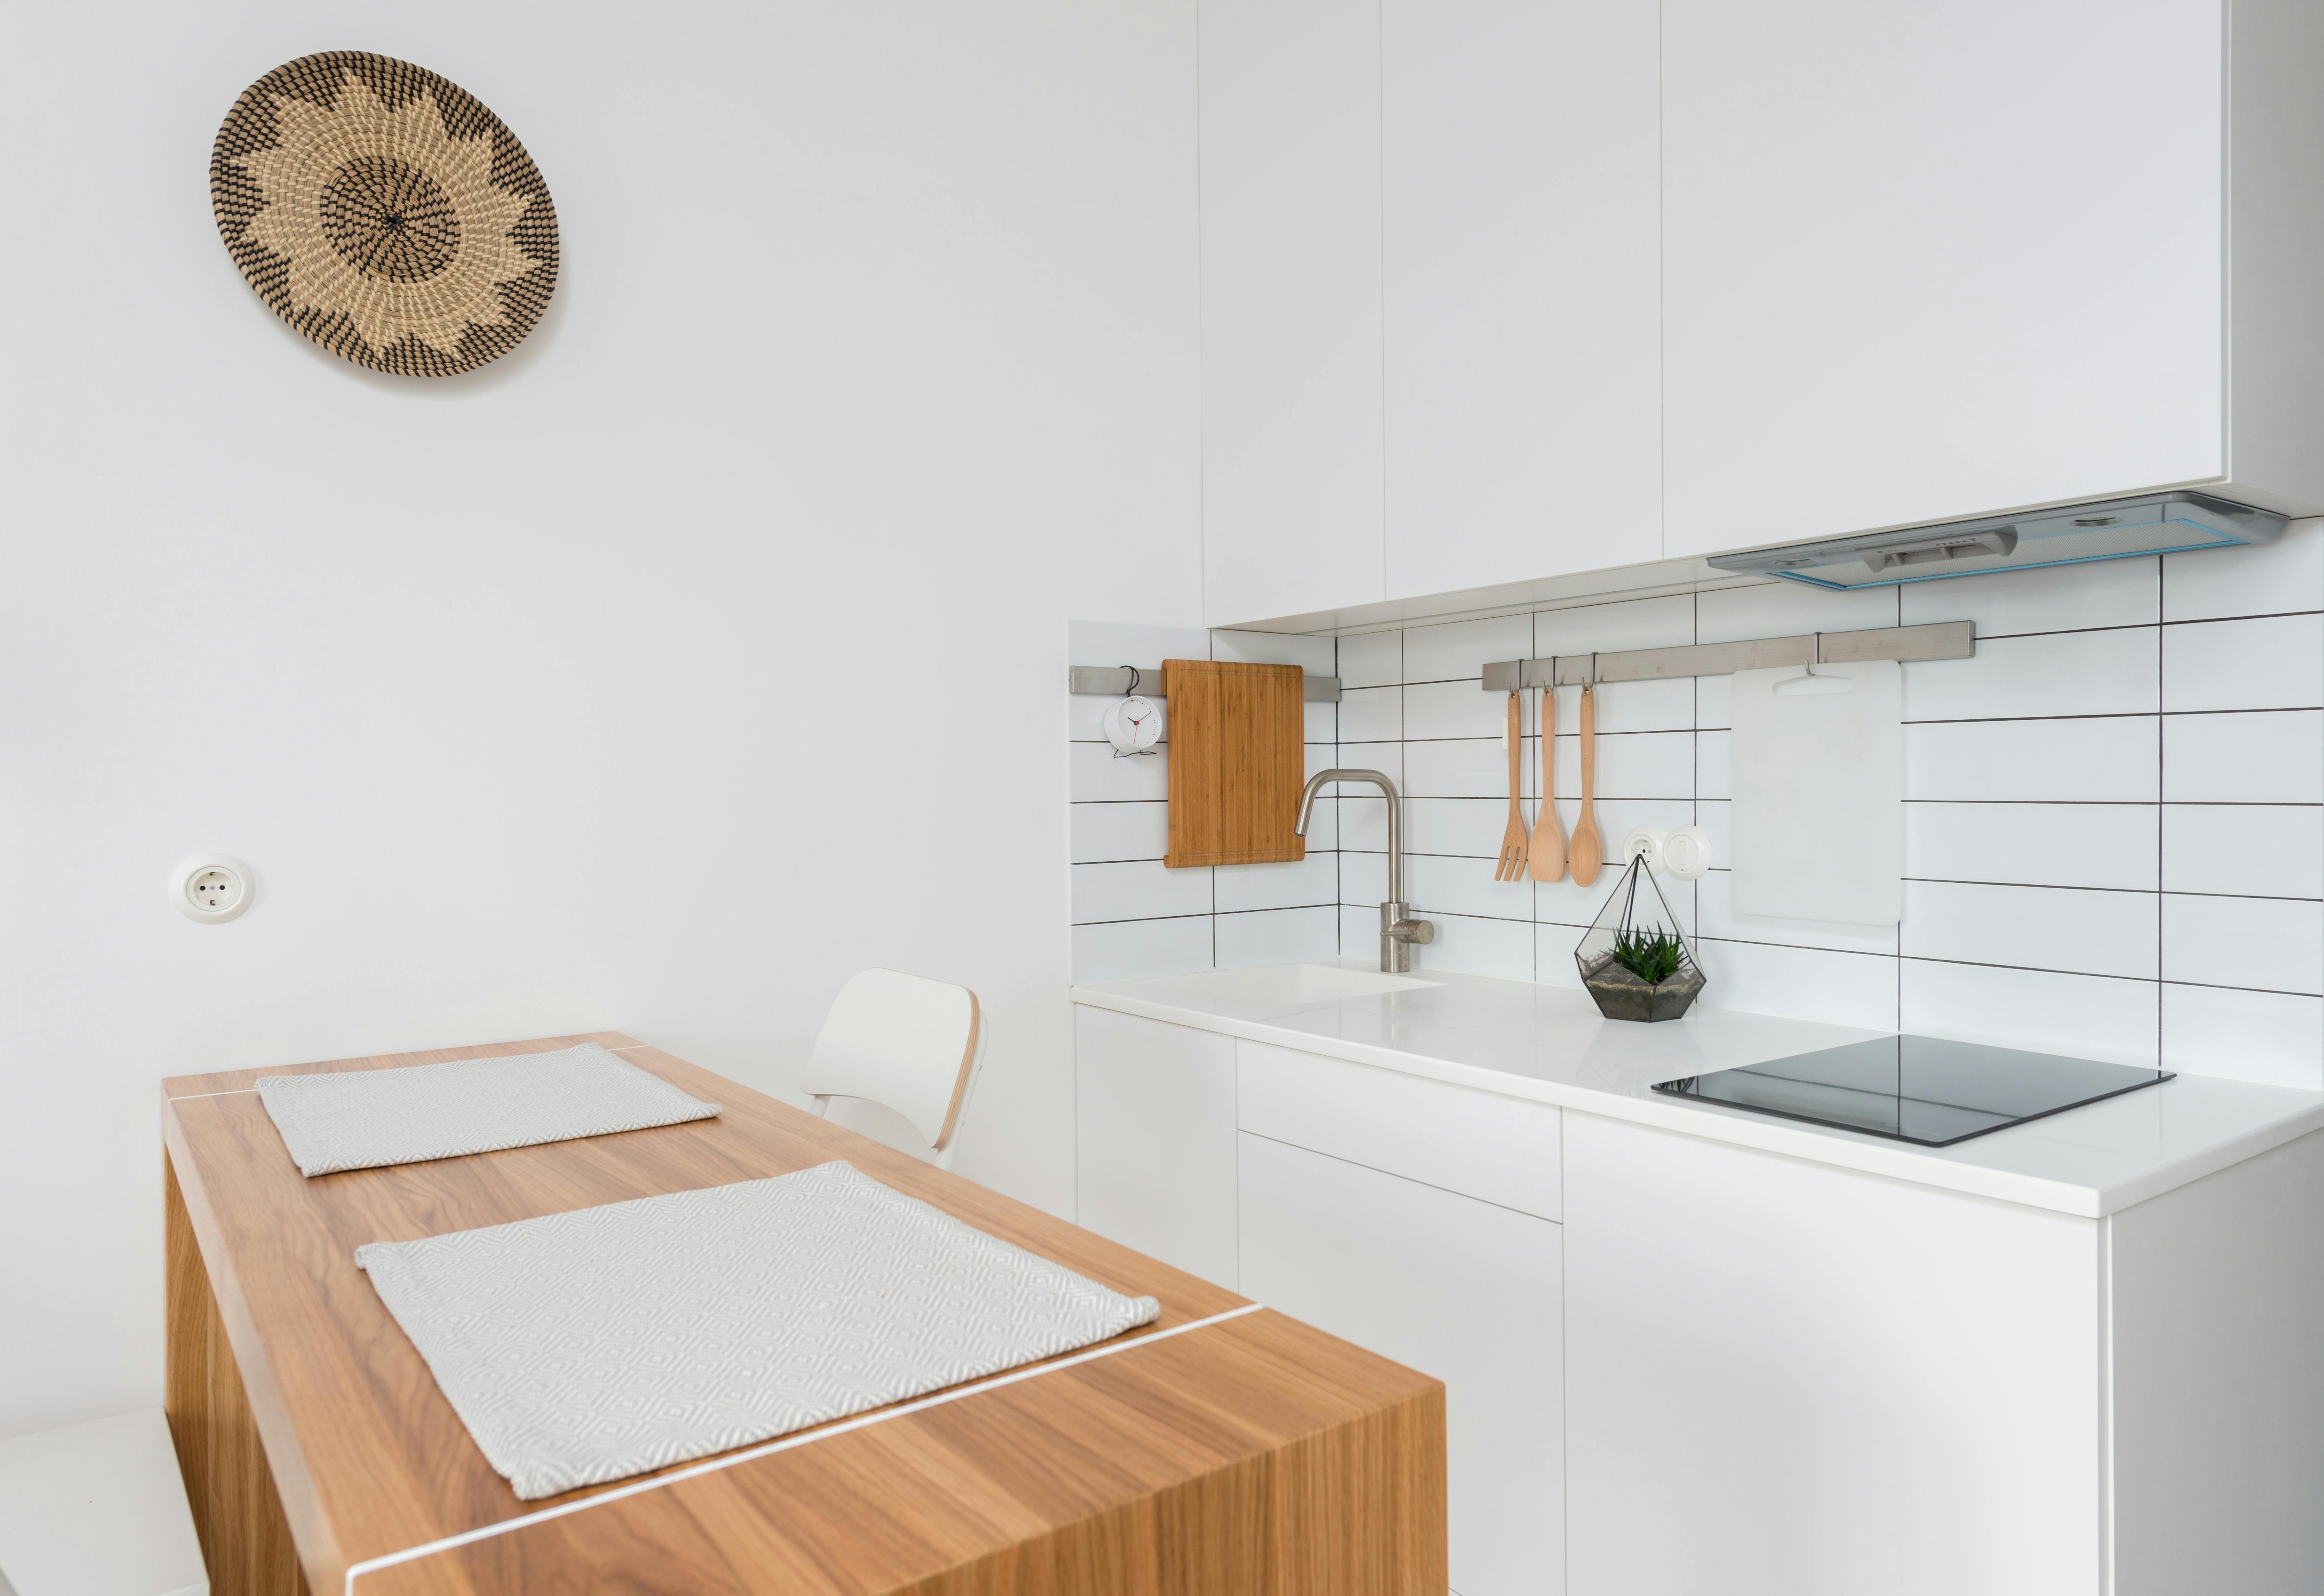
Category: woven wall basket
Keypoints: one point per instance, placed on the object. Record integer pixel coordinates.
(384, 213)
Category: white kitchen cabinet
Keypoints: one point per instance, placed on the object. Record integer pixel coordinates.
(1154, 1140)
(1787, 1380)
(1930, 261)
(1452, 1287)
(1520, 238)
(1289, 112)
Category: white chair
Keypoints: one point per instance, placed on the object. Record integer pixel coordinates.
(97, 1510)
(907, 1043)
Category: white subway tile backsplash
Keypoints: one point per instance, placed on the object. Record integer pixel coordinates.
(2080, 1016)
(1470, 826)
(1387, 758)
(1123, 950)
(2108, 814)
(1787, 609)
(1714, 698)
(2068, 928)
(1461, 649)
(2274, 663)
(2057, 598)
(1363, 877)
(1715, 896)
(1371, 660)
(1364, 822)
(1475, 947)
(1805, 982)
(2270, 944)
(1458, 709)
(1288, 885)
(2109, 760)
(1631, 706)
(2262, 850)
(1632, 764)
(1433, 882)
(2244, 1036)
(1468, 767)
(2054, 674)
(1147, 890)
(1110, 832)
(1277, 936)
(1714, 772)
(2035, 844)
(1094, 775)
(1371, 714)
(1606, 629)
(2274, 758)
(2266, 579)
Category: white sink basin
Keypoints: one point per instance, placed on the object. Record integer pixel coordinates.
(1284, 986)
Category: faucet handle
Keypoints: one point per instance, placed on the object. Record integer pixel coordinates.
(1420, 931)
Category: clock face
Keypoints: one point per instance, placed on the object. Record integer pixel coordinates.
(1133, 724)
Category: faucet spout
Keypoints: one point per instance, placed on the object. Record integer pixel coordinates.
(1399, 931)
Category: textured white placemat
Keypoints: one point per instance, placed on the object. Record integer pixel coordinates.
(365, 1119)
(584, 1347)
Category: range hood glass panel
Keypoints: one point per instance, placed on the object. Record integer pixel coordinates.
(1919, 1089)
(2118, 530)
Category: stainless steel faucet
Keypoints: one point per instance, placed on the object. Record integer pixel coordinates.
(1398, 931)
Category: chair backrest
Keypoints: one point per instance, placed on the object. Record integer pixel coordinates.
(905, 1042)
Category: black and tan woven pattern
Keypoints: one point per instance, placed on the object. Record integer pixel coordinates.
(384, 213)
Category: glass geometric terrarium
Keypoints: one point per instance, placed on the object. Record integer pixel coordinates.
(1637, 960)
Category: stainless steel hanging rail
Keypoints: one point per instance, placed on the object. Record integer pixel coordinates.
(1939, 639)
(1114, 680)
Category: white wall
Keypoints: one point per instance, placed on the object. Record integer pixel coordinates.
(699, 654)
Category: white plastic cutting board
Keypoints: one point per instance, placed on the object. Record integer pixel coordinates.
(1819, 812)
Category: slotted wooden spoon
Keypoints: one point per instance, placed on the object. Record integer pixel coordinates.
(1589, 851)
(1546, 854)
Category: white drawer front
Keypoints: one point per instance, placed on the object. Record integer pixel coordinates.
(1500, 1149)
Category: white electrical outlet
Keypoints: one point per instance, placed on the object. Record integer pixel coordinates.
(212, 888)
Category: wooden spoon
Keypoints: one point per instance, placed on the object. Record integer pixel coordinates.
(1588, 847)
(1545, 855)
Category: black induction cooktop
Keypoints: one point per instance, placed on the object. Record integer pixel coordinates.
(1918, 1089)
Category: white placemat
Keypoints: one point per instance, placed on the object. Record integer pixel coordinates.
(365, 1119)
(589, 1346)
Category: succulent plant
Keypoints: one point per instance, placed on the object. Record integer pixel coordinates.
(1652, 956)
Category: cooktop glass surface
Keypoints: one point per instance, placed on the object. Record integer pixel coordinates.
(1920, 1089)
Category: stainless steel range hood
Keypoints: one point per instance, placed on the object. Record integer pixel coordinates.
(2117, 529)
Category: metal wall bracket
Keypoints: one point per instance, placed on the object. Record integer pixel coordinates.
(1940, 639)
(1113, 681)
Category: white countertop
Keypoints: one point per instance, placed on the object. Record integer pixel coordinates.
(1550, 1044)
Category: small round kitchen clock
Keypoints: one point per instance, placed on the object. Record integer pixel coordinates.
(1133, 726)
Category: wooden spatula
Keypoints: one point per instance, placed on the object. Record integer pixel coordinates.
(1512, 865)
(1588, 847)
(1546, 854)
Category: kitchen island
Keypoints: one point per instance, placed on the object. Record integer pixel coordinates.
(1223, 1448)
(1691, 1348)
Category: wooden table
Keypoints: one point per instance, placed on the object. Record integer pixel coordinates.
(1213, 1453)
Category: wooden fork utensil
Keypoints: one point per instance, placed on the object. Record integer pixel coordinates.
(1512, 865)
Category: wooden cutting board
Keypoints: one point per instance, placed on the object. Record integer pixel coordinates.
(1237, 763)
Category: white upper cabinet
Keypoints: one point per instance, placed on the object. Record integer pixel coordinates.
(1519, 244)
(1291, 306)
(1497, 290)
(1930, 261)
